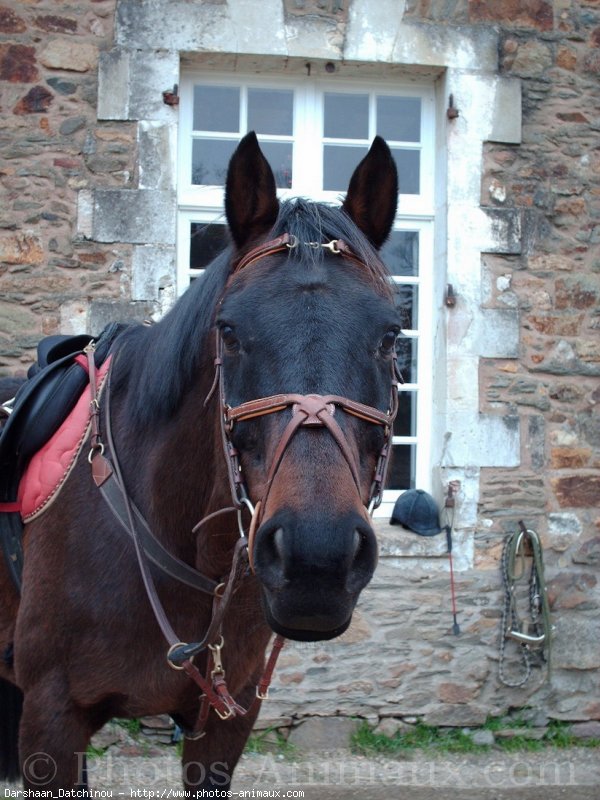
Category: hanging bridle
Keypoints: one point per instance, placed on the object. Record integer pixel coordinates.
(310, 411)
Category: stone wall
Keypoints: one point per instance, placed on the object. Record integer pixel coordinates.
(52, 148)
(85, 204)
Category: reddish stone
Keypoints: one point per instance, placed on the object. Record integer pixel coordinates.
(574, 296)
(17, 63)
(36, 101)
(10, 22)
(92, 258)
(574, 116)
(571, 589)
(538, 14)
(66, 163)
(566, 59)
(595, 38)
(577, 491)
(571, 205)
(54, 24)
(569, 457)
(455, 693)
(556, 324)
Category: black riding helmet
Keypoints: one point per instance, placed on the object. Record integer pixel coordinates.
(416, 510)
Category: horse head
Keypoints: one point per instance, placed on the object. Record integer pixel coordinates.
(307, 330)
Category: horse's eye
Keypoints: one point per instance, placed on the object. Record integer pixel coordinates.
(388, 343)
(229, 338)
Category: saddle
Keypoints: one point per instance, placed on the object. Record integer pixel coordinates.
(53, 386)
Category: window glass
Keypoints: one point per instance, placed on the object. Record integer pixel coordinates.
(271, 111)
(405, 423)
(406, 349)
(405, 298)
(399, 118)
(206, 242)
(408, 164)
(401, 253)
(210, 159)
(279, 156)
(217, 108)
(402, 468)
(346, 116)
(339, 162)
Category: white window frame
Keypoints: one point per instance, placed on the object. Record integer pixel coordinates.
(204, 204)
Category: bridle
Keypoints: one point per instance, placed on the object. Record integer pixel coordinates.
(309, 411)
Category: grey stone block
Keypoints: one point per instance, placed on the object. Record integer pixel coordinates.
(505, 224)
(113, 84)
(153, 268)
(156, 155)
(137, 216)
(506, 120)
(323, 734)
(103, 312)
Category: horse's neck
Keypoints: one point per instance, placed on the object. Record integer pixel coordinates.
(176, 475)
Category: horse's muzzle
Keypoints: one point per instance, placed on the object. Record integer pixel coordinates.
(312, 570)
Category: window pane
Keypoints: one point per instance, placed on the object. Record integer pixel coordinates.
(271, 111)
(338, 165)
(406, 348)
(206, 242)
(217, 108)
(346, 116)
(405, 298)
(402, 469)
(210, 158)
(401, 253)
(405, 423)
(279, 156)
(399, 118)
(408, 164)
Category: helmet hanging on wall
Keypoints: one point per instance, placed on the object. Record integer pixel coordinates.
(416, 510)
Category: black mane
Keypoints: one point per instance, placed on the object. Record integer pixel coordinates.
(157, 365)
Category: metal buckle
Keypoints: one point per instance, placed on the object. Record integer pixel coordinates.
(262, 696)
(332, 246)
(218, 664)
(227, 715)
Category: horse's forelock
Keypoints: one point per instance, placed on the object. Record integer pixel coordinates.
(318, 222)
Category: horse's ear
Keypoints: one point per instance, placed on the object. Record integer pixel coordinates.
(251, 203)
(373, 193)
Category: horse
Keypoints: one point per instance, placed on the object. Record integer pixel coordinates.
(250, 429)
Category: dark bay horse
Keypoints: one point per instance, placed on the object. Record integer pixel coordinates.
(271, 383)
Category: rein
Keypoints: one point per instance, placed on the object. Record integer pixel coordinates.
(311, 411)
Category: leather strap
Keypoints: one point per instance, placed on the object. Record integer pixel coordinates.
(262, 251)
(278, 402)
(154, 550)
